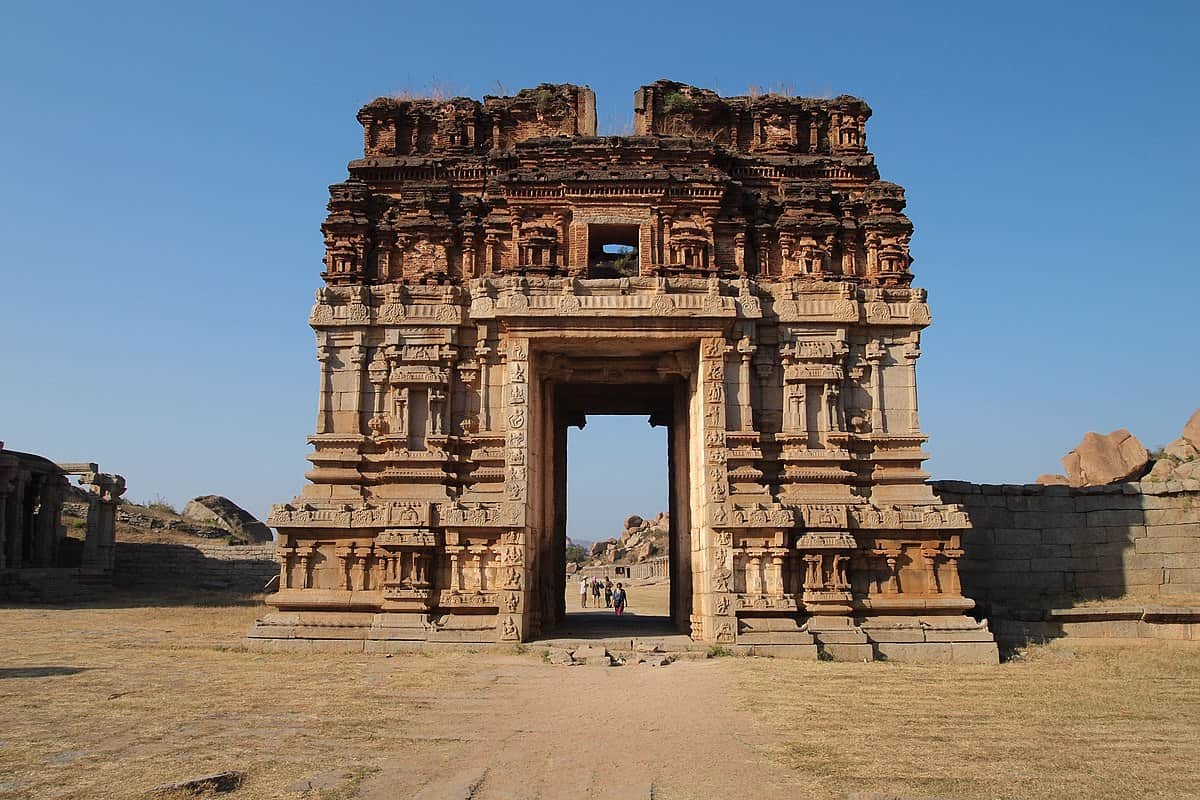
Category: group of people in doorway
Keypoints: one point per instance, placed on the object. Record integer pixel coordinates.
(615, 597)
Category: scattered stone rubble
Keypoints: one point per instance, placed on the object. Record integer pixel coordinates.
(599, 656)
(204, 784)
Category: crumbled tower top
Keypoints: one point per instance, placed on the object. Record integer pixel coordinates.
(767, 187)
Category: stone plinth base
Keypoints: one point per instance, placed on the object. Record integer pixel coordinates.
(1117, 622)
(934, 639)
(931, 639)
(355, 628)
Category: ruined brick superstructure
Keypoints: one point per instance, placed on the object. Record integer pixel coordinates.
(473, 307)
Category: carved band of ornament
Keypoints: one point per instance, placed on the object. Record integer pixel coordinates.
(837, 310)
(409, 375)
(942, 517)
(824, 517)
(748, 602)
(350, 314)
(447, 599)
(734, 516)
(662, 305)
(827, 541)
(393, 537)
(813, 372)
(480, 515)
(396, 514)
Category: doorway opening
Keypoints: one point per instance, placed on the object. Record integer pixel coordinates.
(623, 451)
(618, 520)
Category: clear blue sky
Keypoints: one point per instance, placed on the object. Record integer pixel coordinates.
(165, 177)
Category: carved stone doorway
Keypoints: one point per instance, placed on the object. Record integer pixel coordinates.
(655, 386)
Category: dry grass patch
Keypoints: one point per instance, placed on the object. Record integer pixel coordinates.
(109, 702)
(1056, 723)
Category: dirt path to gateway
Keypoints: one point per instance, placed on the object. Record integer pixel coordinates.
(591, 732)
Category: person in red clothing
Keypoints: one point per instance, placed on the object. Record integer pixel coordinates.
(620, 598)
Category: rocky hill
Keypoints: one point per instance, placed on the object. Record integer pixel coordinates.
(641, 539)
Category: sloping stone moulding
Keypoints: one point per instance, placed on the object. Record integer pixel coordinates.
(473, 307)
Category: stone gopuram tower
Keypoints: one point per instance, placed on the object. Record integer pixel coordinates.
(736, 270)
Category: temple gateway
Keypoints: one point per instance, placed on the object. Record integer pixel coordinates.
(736, 270)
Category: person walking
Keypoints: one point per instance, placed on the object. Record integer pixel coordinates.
(619, 599)
(596, 591)
(583, 590)
(608, 594)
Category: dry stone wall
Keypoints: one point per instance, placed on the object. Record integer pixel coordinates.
(1032, 546)
(215, 567)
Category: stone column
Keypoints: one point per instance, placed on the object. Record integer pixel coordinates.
(378, 372)
(746, 350)
(489, 265)
(468, 256)
(8, 478)
(358, 363)
(104, 493)
(324, 351)
(911, 353)
(49, 519)
(483, 353)
(875, 354)
(931, 581)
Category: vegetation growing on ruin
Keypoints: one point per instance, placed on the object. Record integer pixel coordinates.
(677, 102)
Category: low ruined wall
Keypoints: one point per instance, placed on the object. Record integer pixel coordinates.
(1032, 546)
(240, 568)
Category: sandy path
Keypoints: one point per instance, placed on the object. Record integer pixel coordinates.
(542, 731)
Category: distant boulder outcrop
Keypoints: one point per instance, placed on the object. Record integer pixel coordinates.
(1180, 460)
(223, 512)
(1101, 459)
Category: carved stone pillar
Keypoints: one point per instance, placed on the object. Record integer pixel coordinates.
(489, 263)
(324, 352)
(344, 556)
(875, 355)
(287, 563)
(377, 372)
(8, 476)
(483, 353)
(953, 582)
(358, 363)
(469, 268)
(746, 350)
(911, 353)
(104, 492)
(775, 587)
(931, 580)
(363, 565)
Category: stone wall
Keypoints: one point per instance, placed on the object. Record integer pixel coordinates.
(1033, 546)
(241, 568)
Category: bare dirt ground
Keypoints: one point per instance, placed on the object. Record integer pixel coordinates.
(107, 702)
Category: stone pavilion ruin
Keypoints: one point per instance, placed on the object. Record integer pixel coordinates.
(760, 306)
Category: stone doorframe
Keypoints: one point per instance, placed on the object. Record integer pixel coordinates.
(575, 373)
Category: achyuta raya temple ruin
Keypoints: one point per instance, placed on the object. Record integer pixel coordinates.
(761, 308)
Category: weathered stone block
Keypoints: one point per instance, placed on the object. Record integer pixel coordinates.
(916, 653)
